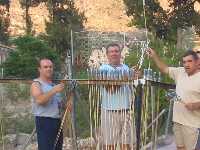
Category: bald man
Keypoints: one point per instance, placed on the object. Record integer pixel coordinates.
(46, 99)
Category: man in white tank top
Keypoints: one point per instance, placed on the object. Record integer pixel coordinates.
(45, 103)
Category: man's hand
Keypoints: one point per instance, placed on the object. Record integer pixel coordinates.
(43, 98)
(192, 106)
(159, 63)
(58, 88)
(151, 53)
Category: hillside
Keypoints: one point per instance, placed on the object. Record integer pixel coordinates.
(102, 15)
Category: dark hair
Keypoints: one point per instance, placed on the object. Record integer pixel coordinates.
(40, 59)
(192, 53)
(112, 45)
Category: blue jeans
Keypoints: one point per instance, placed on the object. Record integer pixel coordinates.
(47, 130)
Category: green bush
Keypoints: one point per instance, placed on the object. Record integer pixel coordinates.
(23, 62)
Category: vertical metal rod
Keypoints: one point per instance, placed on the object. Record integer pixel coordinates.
(2, 72)
(90, 102)
(153, 117)
(1, 114)
(72, 48)
(124, 39)
(157, 93)
(168, 118)
(95, 102)
(69, 67)
(139, 115)
(98, 100)
(145, 112)
(73, 115)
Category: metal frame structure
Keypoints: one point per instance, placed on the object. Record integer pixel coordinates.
(140, 84)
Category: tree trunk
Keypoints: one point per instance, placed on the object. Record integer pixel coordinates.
(179, 39)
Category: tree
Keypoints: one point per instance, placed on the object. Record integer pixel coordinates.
(156, 17)
(64, 17)
(164, 23)
(5, 3)
(26, 4)
(182, 16)
(23, 62)
(4, 21)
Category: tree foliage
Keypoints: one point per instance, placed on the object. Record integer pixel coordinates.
(156, 17)
(5, 3)
(183, 14)
(23, 62)
(164, 23)
(64, 18)
(4, 21)
(26, 4)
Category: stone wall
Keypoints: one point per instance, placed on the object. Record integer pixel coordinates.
(4, 51)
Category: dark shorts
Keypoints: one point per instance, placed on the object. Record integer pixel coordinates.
(47, 130)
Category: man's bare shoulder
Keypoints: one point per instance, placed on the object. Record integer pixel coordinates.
(36, 85)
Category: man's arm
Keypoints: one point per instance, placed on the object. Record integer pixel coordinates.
(193, 106)
(159, 63)
(43, 98)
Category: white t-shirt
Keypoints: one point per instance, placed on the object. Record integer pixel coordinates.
(188, 88)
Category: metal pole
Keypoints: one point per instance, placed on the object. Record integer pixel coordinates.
(124, 39)
(72, 48)
(168, 118)
(73, 117)
(2, 72)
(138, 117)
(1, 114)
(70, 75)
(152, 88)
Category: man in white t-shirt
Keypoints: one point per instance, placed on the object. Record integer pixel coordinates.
(186, 113)
(198, 54)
